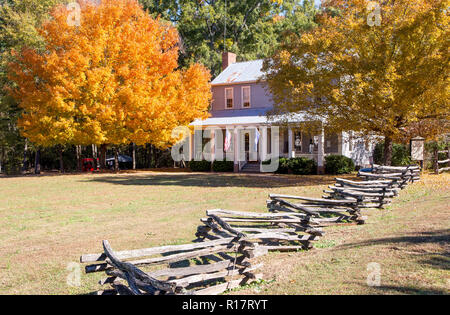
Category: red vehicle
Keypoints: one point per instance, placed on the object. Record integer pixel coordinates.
(87, 165)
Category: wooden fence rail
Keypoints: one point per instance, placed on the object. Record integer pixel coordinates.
(438, 163)
(214, 267)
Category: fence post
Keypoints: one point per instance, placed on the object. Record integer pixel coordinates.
(448, 155)
(436, 160)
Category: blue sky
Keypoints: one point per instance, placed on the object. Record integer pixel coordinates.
(317, 2)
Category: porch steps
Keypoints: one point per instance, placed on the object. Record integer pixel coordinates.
(251, 168)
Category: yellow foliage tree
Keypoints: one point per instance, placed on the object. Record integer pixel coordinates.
(375, 67)
(112, 78)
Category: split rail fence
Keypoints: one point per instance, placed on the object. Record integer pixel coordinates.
(438, 168)
(270, 231)
(223, 255)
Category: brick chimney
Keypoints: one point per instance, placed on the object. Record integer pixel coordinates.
(228, 58)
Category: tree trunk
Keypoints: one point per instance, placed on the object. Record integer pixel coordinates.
(103, 148)
(387, 151)
(30, 159)
(94, 157)
(1, 160)
(435, 160)
(134, 155)
(156, 155)
(61, 161)
(25, 153)
(37, 162)
(78, 150)
(150, 158)
(448, 156)
(116, 159)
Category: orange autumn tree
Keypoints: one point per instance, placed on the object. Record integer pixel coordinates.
(114, 79)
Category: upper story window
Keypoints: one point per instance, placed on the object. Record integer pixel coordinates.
(246, 96)
(229, 99)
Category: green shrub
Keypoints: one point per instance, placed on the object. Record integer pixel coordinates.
(302, 166)
(297, 166)
(200, 166)
(400, 154)
(223, 166)
(283, 166)
(338, 164)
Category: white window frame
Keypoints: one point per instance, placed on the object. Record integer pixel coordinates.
(249, 96)
(232, 98)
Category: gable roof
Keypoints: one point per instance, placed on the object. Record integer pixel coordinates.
(240, 72)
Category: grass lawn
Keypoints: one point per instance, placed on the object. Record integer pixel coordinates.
(47, 222)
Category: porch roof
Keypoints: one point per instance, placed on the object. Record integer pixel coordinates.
(247, 117)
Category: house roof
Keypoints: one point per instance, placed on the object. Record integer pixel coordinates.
(240, 72)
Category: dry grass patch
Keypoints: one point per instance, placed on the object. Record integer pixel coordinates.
(48, 221)
(410, 240)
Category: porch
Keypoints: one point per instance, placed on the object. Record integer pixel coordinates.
(262, 142)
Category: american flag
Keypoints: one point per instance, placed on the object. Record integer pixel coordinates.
(227, 141)
(257, 135)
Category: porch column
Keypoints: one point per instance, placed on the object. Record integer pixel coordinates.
(229, 155)
(236, 149)
(213, 145)
(291, 152)
(191, 147)
(198, 144)
(321, 154)
(341, 143)
(263, 143)
(218, 144)
(253, 149)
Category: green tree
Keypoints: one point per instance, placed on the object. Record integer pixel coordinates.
(254, 28)
(19, 20)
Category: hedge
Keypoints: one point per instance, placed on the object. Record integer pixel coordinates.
(303, 166)
(200, 166)
(338, 164)
(223, 166)
(297, 166)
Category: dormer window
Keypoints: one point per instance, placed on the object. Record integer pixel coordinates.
(229, 98)
(246, 96)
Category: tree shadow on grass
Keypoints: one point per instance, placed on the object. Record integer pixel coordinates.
(411, 290)
(437, 259)
(408, 290)
(215, 180)
(438, 236)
